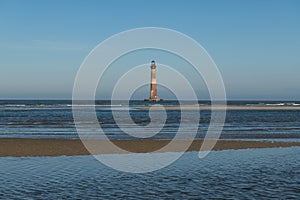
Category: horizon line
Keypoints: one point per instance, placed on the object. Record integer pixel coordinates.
(70, 99)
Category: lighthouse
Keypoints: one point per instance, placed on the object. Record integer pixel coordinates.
(153, 88)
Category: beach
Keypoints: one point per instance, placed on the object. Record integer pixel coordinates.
(18, 147)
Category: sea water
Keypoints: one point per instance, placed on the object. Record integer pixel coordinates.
(54, 119)
(236, 174)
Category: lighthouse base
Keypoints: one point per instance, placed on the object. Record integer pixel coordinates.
(153, 100)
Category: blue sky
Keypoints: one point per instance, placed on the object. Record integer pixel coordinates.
(255, 44)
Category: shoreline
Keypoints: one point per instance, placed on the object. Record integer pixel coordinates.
(21, 147)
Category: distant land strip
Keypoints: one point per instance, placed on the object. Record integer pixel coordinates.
(188, 107)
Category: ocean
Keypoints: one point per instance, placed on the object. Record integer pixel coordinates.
(228, 174)
(54, 119)
(269, 173)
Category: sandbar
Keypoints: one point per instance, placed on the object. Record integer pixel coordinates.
(17, 147)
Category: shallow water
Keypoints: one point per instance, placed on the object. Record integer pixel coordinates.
(53, 119)
(246, 174)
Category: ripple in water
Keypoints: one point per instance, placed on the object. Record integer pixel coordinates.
(246, 174)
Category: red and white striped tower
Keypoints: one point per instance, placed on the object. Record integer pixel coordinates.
(153, 88)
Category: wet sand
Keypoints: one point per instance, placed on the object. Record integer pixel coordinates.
(57, 147)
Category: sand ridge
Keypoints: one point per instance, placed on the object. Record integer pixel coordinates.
(58, 147)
